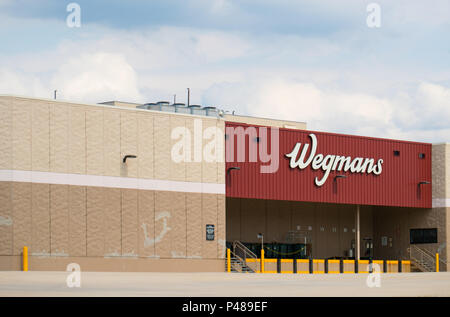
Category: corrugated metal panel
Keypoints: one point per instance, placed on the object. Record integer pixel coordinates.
(397, 185)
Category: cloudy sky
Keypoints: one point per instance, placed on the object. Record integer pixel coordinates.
(313, 61)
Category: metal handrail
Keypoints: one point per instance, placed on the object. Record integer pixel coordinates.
(421, 257)
(429, 255)
(425, 251)
(433, 255)
(243, 253)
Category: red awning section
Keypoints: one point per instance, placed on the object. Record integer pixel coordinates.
(301, 165)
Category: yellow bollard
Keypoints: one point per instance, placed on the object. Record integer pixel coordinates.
(228, 260)
(437, 262)
(262, 261)
(25, 259)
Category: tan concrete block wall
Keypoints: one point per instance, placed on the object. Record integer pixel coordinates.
(77, 140)
(95, 214)
(114, 264)
(99, 222)
(94, 142)
(6, 129)
(194, 225)
(164, 224)
(59, 138)
(6, 219)
(40, 143)
(162, 160)
(193, 169)
(221, 227)
(145, 148)
(438, 171)
(21, 135)
(177, 169)
(63, 220)
(111, 143)
(129, 222)
(220, 155)
(178, 232)
(77, 221)
(59, 219)
(128, 142)
(447, 170)
(113, 221)
(21, 216)
(209, 216)
(40, 216)
(209, 174)
(45, 135)
(146, 223)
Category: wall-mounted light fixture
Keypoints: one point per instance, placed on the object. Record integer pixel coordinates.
(419, 192)
(127, 157)
(335, 182)
(233, 168)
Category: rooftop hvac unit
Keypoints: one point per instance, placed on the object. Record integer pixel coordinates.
(211, 111)
(197, 110)
(181, 108)
(165, 106)
(153, 106)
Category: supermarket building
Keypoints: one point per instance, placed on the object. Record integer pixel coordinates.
(98, 185)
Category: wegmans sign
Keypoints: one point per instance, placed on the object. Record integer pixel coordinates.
(330, 162)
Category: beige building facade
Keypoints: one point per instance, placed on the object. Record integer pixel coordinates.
(98, 185)
(67, 194)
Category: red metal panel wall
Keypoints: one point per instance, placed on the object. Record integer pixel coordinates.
(397, 185)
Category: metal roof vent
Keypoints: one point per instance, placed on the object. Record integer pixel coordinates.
(146, 106)
(211, 111)
(181, 108)
(197, 110)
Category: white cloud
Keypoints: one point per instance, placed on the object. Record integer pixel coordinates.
(423, 115)
(285, 76)
(18, 83)
(99, 76)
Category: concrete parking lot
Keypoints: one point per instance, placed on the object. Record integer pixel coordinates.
(221, 284)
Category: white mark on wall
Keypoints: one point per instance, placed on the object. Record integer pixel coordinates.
(222, 248)
(42, 254)
(5, 221)
(164, 215)
(194, 257)
(177, 254)
(61, 253)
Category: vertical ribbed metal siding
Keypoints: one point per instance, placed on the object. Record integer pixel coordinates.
(396, 186)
